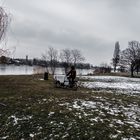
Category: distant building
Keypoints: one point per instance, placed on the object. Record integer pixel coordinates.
(3, 60)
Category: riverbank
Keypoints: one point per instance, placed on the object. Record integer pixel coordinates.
(34, 109)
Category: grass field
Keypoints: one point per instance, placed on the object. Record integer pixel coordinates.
(31, 108)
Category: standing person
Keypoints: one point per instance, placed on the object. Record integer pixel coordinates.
(71, 75)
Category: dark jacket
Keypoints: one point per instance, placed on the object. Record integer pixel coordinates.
(72, 74)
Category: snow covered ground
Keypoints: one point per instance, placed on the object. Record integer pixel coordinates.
(91, 117)
(112, 83)
(131, 111)
(116, 116)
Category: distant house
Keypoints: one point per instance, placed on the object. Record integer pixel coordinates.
(3, 60)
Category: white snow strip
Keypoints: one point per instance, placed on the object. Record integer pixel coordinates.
(114, 83)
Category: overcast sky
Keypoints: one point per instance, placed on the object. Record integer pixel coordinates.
(92, 26)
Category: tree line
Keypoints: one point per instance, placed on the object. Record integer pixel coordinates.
(51, 59)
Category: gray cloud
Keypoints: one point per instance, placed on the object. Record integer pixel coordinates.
(91, 26)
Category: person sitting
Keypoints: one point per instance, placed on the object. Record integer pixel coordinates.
(72, 75)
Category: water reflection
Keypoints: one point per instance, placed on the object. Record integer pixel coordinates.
(15, 70)
(28, 70)
(3, 68)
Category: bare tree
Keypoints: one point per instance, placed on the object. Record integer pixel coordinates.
(3, 23)
(3, 28)
(4, 52)
(52, 57)
(130, 56)
(116, 56)
(71, 57)
(66, 58)
(77, 56)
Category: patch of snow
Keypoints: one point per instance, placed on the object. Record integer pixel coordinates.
(44, 100)
(111, 78)
(89, 104)
(137, 126)
(51, 113)
(128, 139)
(114, 83)
(16, 119)
(113, 136)
(31, 135)
(61, 123)
(5, 137)
(85, 108)
(119, 122)
(41, 79)
(95, 119)
(111, 125)
(66, 135)
(80, 104)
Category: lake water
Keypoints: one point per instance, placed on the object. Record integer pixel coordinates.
(28, 70)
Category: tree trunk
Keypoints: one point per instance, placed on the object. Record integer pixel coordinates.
(132, 71)
(137, 70)
(115, 67)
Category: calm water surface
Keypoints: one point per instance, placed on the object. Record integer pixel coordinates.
(28, 70)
